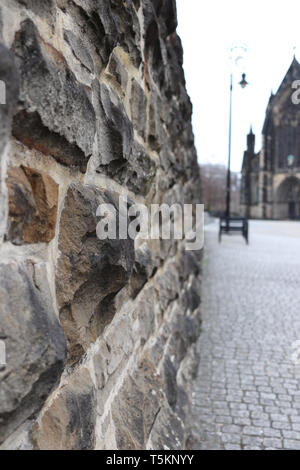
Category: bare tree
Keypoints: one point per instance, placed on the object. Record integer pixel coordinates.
(213, 179)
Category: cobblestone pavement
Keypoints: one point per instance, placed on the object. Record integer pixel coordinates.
(247, 394)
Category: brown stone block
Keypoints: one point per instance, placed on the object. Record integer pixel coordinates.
(33, 199)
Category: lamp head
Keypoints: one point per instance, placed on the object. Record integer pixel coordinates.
(243, 82)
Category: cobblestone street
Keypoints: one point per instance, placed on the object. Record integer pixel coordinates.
(247, 394)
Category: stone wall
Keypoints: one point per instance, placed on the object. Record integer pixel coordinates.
(100, 334)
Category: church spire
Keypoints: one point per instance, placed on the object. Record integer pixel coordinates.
(251, 141)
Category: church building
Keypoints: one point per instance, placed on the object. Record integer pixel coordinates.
(271, 178)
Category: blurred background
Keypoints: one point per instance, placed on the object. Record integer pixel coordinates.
(270, 31)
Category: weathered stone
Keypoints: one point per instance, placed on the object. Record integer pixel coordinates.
(174, 71)
(185, 331)
(57, 117)
(189, 263)
(118, 70)
(137, 173)
(33, 200)
(79, 50)
(44, 9)
(154, 123)
(101, 361)
(190, 299)
(142, 269)
(170, 385)
(9, 80)
(89, 270)
(155, 69)
(100, 33)
(145, 312)
(137, 4)
(20, 439)
(69, 422)
(35, 347)
(167, 284)
(113, 352)
(167, 432)
(141, 171)
(115, 133)
(129, 29)
(1, 24)
(167, 13)
(138, 108)
(135, 408)
(9, 90)
(92, 101)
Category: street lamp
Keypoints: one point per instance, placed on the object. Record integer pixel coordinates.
(243, 83)
(234, 224)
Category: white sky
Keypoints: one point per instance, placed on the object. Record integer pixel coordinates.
(271, 30)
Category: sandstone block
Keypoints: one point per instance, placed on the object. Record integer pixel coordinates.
(90, 271)
(118, 71)
(136, 406)
(138, 104)
(137, 173)
(115, 131)
(167, 432)
(79, 50)
(9, 84)
(35, 346)
(33, 200)
(69, 422)
(9, 76)
(57, 116)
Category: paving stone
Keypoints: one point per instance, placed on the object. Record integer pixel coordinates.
(246, 370)
(232, 447)
(273, 442)
(269, 432)
(281, 425)
(253, 441)
(252, 430)
(290, 434)
(291, 444)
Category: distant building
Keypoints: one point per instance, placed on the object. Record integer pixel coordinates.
(271, 178)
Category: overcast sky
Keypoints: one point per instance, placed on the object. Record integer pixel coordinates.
(271, 30)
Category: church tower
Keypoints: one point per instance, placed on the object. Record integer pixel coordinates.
(271, 178)
(250, 142)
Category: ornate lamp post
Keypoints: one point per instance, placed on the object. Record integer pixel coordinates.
(243, 83)
(233, 224)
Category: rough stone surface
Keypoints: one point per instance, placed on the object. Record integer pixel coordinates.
(9, 81)
(45, 9)
(35, 346)
(69, 422)
(90, 271)
(135, 409)
(100, 333)
(57, 116)
(115, 130)
(8, 75)
(33, 201)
